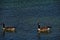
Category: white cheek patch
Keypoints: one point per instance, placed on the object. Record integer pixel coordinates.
(38, 29)
(3, 28)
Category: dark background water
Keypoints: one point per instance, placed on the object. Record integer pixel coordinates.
(24, 15)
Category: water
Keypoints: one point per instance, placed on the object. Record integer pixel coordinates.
(24, 16)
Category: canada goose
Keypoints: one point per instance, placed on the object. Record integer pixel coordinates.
(43, 29)
(8, 29)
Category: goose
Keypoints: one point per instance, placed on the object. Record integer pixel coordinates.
(43, 29)
(9, 29)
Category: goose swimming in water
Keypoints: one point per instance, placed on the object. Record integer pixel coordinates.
(8, 29)
(43, 29)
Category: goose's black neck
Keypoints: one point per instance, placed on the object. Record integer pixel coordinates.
(3, 25)
(38, 25)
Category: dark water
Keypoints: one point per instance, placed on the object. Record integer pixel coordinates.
(24, 15)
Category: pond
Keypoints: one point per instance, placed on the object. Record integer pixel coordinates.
(25, 19)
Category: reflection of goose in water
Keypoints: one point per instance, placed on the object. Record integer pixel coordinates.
(43, 29)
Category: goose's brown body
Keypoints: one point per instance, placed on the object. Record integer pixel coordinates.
(9, 29)
(43, 29)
